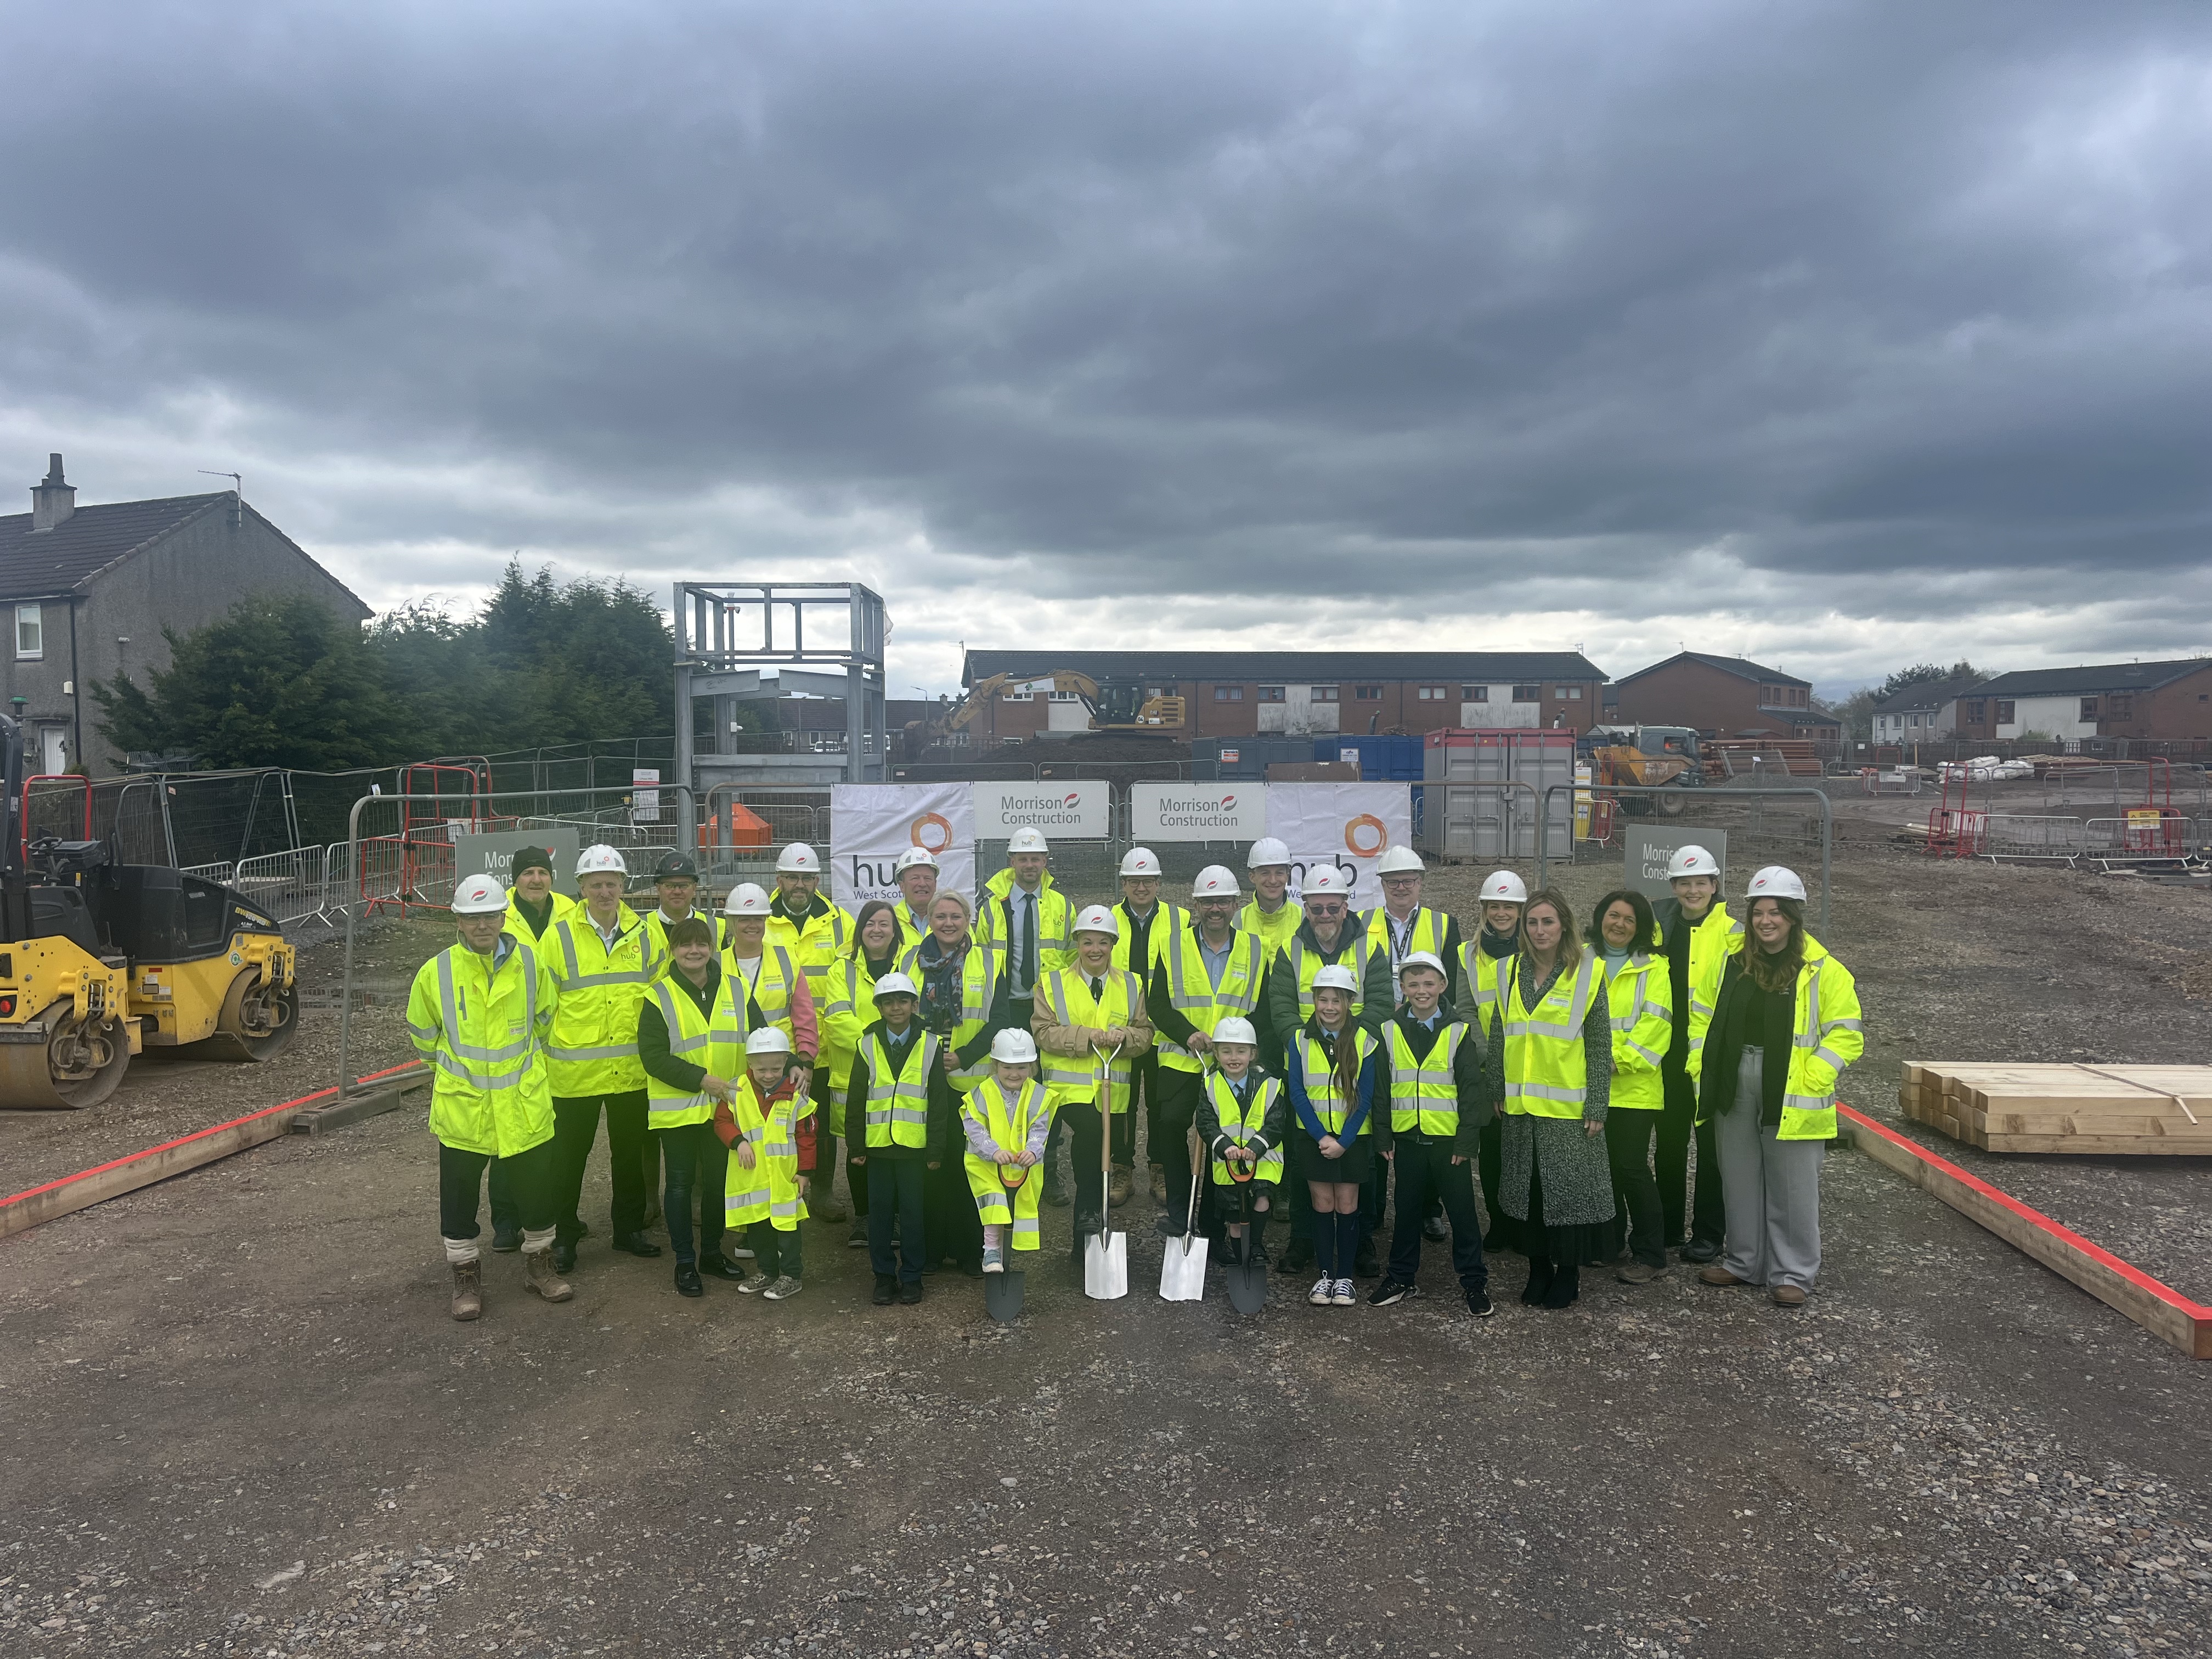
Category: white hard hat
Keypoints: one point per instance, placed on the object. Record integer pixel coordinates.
(1776, 881)
(915, 858)
(1214, 882)
(1264, 851)
(1504, 887)
(1692, 861)
(597, 860)
(798, 859)
(893, 985)
(745, 899)
(1325, 879)
(1236, 1029)
(1399, 861)
(1013, 1045)
(1027, 839)
(1336, 977)
(1427, 959)
(1140, 861)
(769, 1040)
(479, 895)
(1097, 918)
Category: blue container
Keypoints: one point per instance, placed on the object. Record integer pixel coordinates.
(1383, 757)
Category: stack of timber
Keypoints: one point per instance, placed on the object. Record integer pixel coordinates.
(1735, 757)
(2020, 1108)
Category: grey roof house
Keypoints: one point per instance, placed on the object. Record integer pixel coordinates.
(90, 588)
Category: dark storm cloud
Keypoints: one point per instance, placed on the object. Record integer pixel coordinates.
(1854, 329)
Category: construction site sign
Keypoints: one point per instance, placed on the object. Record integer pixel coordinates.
(493, 854)
(871, 823)
(1077, 811)
(1650, 845)
(1198, 812)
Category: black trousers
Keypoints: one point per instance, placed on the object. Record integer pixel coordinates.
(1638, 1216)
(896, 1225)
(1425, 1173)
(1678, 1126)
(1085, 1135)
(575, 1128)
(527, 1178)
(1180, 1092)
(698, 1167)
(1490, 1160)
(1145, 1084)
(952, 1229)
(775, 1252)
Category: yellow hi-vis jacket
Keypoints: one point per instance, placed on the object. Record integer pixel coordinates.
(1193, 995)
(1712, 943)
(1242, 1124)
(594, 1048)
(715, 1045)
(519, 925)
(815, 940)
(1424, 1099)
(1273, 931)
(770, 991)
(769, 1191)
(656, 934)
(482, 1031)
(979, 987)
(1327, 1097)
(1546, 1074)
(1056, 921)
(1827, 1032)
(1064, 998)
(898, 1102)
(1009, 1126)
(844, 1007)
(1305, 963)
(1484, 979)
(1168, 922)
(1643, 1029)
(1426, 933)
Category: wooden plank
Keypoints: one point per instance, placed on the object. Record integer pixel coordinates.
(2100, 1146)
(35, 1205)
(2158, 1307)
(337, 1112)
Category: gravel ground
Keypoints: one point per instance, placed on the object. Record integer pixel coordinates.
(240, 1422)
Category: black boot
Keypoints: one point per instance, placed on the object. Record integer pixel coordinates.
(1540, 1273)
(1566, 1284)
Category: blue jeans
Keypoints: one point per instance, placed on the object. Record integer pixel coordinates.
(895, 1215)
(697, 1163)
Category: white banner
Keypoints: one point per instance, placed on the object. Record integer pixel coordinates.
(1346, 825)
(1075, 809)
(1197, 811)
(871, 823)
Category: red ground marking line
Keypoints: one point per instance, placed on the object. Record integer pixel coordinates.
(186, 1140)
(2097, 1252)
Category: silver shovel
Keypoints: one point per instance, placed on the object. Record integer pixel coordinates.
(1106, 1253)
(1182, 1263)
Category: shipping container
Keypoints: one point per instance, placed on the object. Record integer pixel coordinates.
(1215, 758)
(1394, 757)
(1475, 805)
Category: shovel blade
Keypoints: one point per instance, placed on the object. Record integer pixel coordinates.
(1182, 1270)
(1106, 1266)
(1247, 1288)
(1002, 1296)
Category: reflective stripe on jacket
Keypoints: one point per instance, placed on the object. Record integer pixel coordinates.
(1547, 1073)
(898, 1102)
(1242, 1125)
(594, 1048)
(1192, 992)
(483, 1031)
(1424, 1098)
(716, 1046)
(1008, 1125)
(1067, 993)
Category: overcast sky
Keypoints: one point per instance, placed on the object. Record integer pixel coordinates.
(1839, 336)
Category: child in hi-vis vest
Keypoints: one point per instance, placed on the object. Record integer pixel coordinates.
(1007, 1118)
(760, 1123)
(1242, 1118)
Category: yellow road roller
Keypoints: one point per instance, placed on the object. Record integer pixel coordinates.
(99, 961)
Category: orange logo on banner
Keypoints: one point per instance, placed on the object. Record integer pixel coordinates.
(1365, 837)
(932, 832)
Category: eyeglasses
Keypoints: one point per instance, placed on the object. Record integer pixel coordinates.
(1325, 912)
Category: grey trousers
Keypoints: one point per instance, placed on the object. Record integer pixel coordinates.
(1772, 1189)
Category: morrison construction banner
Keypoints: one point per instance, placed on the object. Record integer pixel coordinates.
(1075, 810)
(1346, 825)
(871, 823)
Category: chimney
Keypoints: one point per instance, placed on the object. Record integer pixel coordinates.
(52, 502)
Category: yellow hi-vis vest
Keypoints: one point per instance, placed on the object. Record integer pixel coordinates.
(898, 1103)
(1169, 921)
(715, 1045)
(1427, 933)
(1353, 948)
(594, 1048)
(815, 946)
(1241, 1123)
(979, 987)
(1331, 1104)
(770, 991)
(656, 934)
(1273, 931)
(844, 1007)
(770, 1190)
(1485, 979)
(1007, 1123)
(1546, 1074)
(1067, 992)
(1055, 920)
(1198, 999)
(1643, 1029)
(1712, 943)
(482, 1031)
(1423, 1097)
(1826, 1034)
(519, 925)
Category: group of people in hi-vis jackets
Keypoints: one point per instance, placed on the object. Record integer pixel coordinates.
(1661, 1083)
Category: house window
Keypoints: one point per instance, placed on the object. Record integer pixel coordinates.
(2123, 706)
(1324, 693)
(1229, 693)
(1367, 693)
(2089, 709)
(1273, 693)
(1913, 719)
(2005, 716)
(1017, 697)
(1434, 694)
(1568, 693)
(1474, 694)
(1066, 697)
(30, 633)
(1528, 693)
(1975, 706)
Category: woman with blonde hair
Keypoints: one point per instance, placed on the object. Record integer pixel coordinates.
(1552, 1068)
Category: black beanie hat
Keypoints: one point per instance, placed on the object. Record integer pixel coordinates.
(531, 858)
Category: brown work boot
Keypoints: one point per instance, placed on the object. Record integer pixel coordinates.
(1122, 1187)
(1789, 1296)
(468, 1291)
(538, 1264)
(1714, 1274)
(1637, 1272)
(1159, 1183)
(822, 1203)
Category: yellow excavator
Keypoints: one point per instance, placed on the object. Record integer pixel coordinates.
(99, 961)
(1121, 707)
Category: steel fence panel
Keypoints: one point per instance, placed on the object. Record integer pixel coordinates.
(287, 886)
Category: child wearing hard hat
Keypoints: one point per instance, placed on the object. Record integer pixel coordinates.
(1337, 1089)
(468, 1002)
(1485, 961)
(1006, 1118)
(760, 1123)
(900, 1105)
(815, 932)
(1242, 1117)
(1090, 1017)
(1145, 925)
